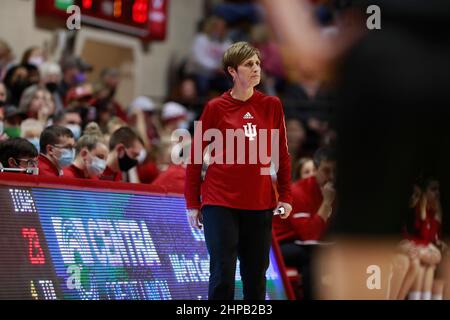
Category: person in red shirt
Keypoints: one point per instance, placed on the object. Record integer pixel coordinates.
(91, 154)
(312, 206)
(125, 147)
(236, 200)
(173, 178)
(57, 150)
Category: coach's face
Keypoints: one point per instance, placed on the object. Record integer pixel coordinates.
(326, 172)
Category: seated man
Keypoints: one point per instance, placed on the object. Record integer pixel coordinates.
(57, 150)
(18, 153)
(125, 147)
(312, 206)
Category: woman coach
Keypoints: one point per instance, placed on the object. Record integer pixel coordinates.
(236, 202)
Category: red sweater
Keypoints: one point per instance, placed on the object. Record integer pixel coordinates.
(47, 168)
(240, 186)
(173, 178)
(74, 172)
(110, 175)
(303, 223)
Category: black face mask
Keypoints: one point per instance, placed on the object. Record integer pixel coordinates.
(18, 87)
(126, 163)
(2, 103)
(52, 87)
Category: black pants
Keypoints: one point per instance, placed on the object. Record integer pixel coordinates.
(300, 257)
(231, 234)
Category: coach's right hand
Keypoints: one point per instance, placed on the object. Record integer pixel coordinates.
(195, 218)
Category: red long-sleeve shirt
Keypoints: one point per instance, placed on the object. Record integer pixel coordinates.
(303, 223)
(240, 184)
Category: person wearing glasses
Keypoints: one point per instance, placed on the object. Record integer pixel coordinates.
(57, 150)
(18, 153)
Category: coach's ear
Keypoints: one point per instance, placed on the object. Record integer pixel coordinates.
(232, 72)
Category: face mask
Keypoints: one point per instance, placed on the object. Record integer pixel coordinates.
(52, 87)
(13, 132)
(142, 156)
(2, 103)
(36, 61)
(97, 166)
(19, 87)
(126, 163)
(2, 126)
(76, 130)
(35, 142)
(67, 157)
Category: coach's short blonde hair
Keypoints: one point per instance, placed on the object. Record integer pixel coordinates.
(238, 53)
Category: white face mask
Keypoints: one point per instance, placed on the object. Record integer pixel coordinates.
(76, 130)
(97, 166)
(36, 61)
(142, 156)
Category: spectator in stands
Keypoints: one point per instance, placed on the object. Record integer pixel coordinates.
(31, 130)
(6, 57)
(56, 150)
(305, 168)
(313, 200)
(16, 80)
(173, 116)
(51, 76)
(71, 119)
(3, 95)
(18, 153)
(74, 71)
(204, 61)
(104, 97)
(142, 115)
(36, 103)
(79, 98)
(91, 153)
(12, 120)
(125, 147)
(34, 56)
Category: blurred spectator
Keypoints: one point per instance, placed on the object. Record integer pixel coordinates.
(36, 103)
(34, 56)
(91, 154)
(3, 136)
(204, 62)
(104, 97)
(125, 147)
(172, 178)
(173, 116)
(304, 169)
(79, 98)
(71, 119)
(185, 93)
(74, 72)
(51, 76)
(12, 120)
(313, 201)
(3, 95)
(16, 80)
(57, 150)
(31, 130)
(142, 114)
(6, 58)
(18, 153)
(271, 58)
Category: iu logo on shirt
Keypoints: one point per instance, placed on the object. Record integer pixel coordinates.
(250, 131)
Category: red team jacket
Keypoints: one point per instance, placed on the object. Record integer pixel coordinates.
(235, 185)
(46, 167)
(303, 223)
